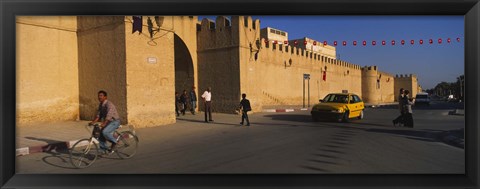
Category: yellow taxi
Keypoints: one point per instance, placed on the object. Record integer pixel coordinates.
(339, 106)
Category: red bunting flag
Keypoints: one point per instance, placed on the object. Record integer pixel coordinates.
(373, 42)
(295, 42)
(275, 42)
(266, 41)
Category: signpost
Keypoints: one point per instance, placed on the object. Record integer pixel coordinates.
(306, 77)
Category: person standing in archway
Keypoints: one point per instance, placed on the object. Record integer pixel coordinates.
(193, 100)
(184, 100)
(207, 100)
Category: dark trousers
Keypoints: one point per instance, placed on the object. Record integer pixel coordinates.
(409, 120)
(184, 107)
(208, 108)
(400, 118)
(176, 109)
(245, 116)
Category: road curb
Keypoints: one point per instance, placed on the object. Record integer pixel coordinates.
(449, 138)
(58, 146)
(284, 110)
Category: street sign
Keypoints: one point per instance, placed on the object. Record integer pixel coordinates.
(306, 76)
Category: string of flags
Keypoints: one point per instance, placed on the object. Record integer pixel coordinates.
(372, 43)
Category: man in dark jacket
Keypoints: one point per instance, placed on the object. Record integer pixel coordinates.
(245, 105)
(193, 100)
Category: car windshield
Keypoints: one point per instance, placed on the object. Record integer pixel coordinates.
(337, 98)
(422, 96)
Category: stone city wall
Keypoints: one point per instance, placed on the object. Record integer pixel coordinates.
(47, 69)
(101, 52)
(218, 62)
(272, 74)
(407, 82)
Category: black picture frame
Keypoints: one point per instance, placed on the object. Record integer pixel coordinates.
(9, 9)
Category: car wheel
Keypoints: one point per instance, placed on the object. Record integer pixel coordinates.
(345, 116)
(361, 115)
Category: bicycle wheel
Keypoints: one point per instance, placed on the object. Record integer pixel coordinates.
(126, 145)
(83, 153)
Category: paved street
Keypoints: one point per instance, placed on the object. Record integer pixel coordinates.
(283, 143)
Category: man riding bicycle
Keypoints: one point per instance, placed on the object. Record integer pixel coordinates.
(108, 115)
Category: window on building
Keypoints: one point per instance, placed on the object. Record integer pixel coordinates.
(272, 31)
(277, 32)
(245, 21)
(282, 33)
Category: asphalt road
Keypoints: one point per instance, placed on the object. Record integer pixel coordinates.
(283, 143)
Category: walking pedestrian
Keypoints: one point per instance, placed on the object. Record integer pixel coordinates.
(400, 118)
(177, 102)
(207, 100)
(193, 100)
(408, 109)
(184, 100)
(245, 106)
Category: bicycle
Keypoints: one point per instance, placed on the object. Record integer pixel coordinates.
(85, 151)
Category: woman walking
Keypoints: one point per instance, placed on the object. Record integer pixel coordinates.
(408, 109)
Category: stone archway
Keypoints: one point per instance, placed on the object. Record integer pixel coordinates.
(184, 72)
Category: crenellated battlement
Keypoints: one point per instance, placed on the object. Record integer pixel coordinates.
(406, 76)
(228, 32)
(301, 55)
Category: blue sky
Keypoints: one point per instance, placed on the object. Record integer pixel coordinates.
(432, 63)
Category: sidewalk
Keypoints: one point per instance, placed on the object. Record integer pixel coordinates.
(48, 137)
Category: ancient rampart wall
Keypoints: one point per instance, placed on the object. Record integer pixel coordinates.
(407, 82)
(218, 62)
(272, 74)
(102, 56)
(150, 73)
(47, 69)
(377, 86)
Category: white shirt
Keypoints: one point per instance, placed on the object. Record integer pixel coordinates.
(207, 96)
